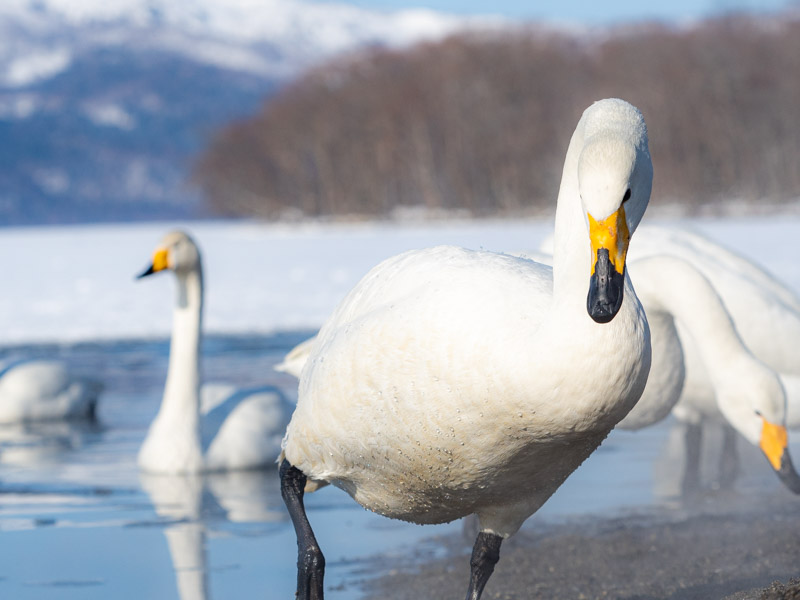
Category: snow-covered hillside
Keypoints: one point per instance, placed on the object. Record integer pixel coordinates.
(104, 104)
(269, 37)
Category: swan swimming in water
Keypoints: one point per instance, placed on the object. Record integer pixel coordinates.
(217, 428)
(450, 382)
(45, 390)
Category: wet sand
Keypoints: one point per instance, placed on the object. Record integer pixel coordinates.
(733, 547)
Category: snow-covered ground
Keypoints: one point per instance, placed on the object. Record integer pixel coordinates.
(69, 284)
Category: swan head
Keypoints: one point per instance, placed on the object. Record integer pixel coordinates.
(177, 252)
(754, 402)
(615, 176)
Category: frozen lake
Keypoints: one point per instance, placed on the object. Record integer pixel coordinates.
(78, 520)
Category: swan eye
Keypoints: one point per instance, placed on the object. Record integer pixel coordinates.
(627, 196)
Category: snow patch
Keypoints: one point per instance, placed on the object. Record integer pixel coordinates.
(52, 180)
(110, 115)
(38, 66)
(18, 106)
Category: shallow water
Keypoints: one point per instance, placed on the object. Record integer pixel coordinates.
(79, 521)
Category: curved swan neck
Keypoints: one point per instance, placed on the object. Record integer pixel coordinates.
(673, 285)
(182, 390)
(571, 263)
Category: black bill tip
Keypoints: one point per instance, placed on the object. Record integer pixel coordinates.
(149, 271)
(787, 473)
(605, 289)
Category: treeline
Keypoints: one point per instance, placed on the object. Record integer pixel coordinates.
(481, 122)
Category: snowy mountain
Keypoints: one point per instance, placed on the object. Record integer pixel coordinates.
(104, 103)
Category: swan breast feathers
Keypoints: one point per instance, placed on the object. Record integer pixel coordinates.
(438, 346)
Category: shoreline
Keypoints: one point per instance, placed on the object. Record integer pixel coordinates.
(725, 546)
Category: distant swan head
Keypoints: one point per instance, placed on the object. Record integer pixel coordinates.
(752, 399)
(177, 252)
(615, 176)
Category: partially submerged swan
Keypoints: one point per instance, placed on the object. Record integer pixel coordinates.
(451, 382)
(222, 428)
(45, 390)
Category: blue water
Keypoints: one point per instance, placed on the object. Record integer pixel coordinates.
(79, 521)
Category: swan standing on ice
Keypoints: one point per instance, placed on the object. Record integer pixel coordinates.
(224, 429)
(451, 382)
(44, 390)
(746, 393)
(766, 316)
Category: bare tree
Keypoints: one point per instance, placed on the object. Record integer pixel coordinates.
(480, 121)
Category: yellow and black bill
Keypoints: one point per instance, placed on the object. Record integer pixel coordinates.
(610, 238)
(775, 446)
(160, 262)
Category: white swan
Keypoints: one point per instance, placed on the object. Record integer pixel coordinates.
(694, 339)
(451, 382)
(45, 390)
(766, 315)
(229, 429)
(765, 312)
(684, 311)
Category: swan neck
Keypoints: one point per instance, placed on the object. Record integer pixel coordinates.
(572, 254)
(680, 290)
(182, 390)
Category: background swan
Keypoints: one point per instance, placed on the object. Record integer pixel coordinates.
(765, 312)
(747, 394)
(701, 367)
(766, 315)
(41, 390)
(451, 382)
(229, 428)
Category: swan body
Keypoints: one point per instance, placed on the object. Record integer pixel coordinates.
(45, 390)
(219, 427)
(450, 382)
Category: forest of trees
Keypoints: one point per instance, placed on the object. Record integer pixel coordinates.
(481, 122)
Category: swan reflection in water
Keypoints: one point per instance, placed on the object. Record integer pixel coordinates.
(191, 504)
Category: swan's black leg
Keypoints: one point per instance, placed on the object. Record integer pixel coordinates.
(691, 471)
(485, 554)
(310, 562)
(729, 460)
